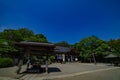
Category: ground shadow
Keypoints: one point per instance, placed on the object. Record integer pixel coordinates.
(35, 70)
(53, 69)
(42, 70)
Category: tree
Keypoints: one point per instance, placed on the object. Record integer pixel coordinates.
(26, 33)
(115, 45)
(10, 36)
(41, 38)
(37, 38)
(63, 43)
(92, 47)
(22, 34)
(6, 49)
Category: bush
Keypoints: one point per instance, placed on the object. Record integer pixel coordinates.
(6, 62)
(51, 59)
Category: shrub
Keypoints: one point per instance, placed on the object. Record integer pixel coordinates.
(52, 59)
(6, 62)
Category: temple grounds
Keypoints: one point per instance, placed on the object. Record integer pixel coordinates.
(56, 71)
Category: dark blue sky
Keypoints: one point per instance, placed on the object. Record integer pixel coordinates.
(63, 20)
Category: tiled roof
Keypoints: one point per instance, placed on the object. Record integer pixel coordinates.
(61, 49)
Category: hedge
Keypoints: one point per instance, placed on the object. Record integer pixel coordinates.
(6, 62)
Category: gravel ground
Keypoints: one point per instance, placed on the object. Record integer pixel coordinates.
(102, 75)
(10, 73)
(55, 69)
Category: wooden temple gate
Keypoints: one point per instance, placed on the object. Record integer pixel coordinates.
(34, 48)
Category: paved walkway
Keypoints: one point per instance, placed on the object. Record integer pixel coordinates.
(56, 70)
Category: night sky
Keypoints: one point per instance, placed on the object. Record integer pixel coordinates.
(63, 20)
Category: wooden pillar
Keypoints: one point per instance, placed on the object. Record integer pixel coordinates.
(19, 66)
(28, 58)
(20, 63)
(46, 68)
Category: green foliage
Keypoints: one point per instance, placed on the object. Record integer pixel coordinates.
(26, 33)
(52, 59)
(41, 38)
(37, 38)
(9, 36)
(22, 34)
(92, 45)
(6, 48)
(115, 45)
(63, 43)
(6, 62)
